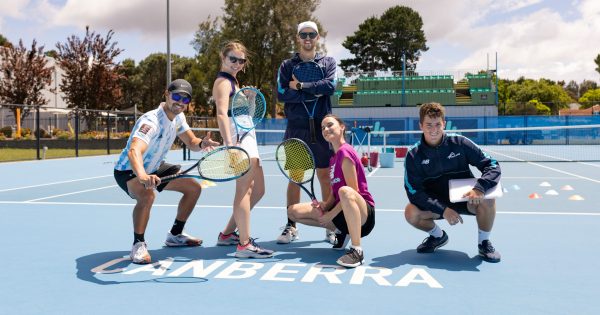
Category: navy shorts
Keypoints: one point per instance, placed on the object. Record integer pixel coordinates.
(165, 169)
(460, 207)
(340, 222)
(321, 149)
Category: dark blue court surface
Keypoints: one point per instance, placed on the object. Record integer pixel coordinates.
(66, 235)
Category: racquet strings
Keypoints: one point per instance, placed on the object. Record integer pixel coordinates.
(296, 161)
(248, 108)
(224, 164)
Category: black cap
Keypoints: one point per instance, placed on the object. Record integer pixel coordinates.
(180, 86)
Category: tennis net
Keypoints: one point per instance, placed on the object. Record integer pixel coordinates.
(574, 143)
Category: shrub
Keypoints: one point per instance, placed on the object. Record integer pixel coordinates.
(2, 137)
(64, 135)
(25, 132)
(6, 131)
(43, 134)
(56, 131)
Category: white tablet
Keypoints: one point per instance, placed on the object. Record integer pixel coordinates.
(458, 187)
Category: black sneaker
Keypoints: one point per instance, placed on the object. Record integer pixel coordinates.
(431, 243)
(352, 259)
(488, 252)
(341, 240)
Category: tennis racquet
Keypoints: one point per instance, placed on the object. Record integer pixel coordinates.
(309, 71)
(248, 108)
(297, 163)
(220, 165)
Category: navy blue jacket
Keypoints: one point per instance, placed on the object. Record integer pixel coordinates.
(293, 108)
(428, 169)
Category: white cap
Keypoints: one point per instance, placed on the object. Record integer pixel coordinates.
(308, 24)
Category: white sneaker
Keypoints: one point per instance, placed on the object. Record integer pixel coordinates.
(182, 239)
(330, 236)
(139, 253)
(288, 235)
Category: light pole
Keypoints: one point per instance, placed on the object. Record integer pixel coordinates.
(168, 48)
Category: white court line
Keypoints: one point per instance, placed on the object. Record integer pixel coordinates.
(373, 172)
(54, 183)
(274, 208)
(550, 168)
(564, 172)
(71, 193)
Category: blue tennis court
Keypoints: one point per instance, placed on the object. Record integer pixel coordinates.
(66, 234)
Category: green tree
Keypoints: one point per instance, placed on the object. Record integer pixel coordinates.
(130, 84)
(597, 61)
(587, 85)
(590, 98)
(91, 79)
(207, 43)
(380, 43)
(544, 91)
(24, 74)
(152, 73)
(364, 45)
(4, 42)
(269, 36)
(572, 88)
(540, 108)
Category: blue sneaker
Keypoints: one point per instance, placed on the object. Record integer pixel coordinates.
(252, 250)
(229, 239)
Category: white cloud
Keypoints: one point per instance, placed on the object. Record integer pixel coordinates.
(13, 9)
(146, 17)
(541, 44)
(533, 38)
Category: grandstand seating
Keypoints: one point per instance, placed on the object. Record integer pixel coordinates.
(474, 89)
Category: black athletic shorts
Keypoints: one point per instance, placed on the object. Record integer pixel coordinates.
(165, 169)
(460, 207)
(320, 150)
(340, 222)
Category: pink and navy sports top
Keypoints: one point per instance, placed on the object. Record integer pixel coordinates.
(336, 174)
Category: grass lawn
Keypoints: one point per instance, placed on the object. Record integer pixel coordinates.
(10, 154)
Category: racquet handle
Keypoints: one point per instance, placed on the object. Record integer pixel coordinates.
(311, 123)
(169, 177)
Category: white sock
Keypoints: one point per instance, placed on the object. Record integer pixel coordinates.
(483, 235)
(436, 231)
(357, 248)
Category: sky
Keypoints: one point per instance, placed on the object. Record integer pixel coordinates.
(553, 39)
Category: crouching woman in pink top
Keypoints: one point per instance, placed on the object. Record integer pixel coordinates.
(350, 209)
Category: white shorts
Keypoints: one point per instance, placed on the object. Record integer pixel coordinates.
(248, 143)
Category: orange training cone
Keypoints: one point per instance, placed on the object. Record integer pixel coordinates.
(535, 196)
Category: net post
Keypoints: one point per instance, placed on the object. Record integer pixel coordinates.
(184, 152)
(37, 133)
(107, 132)
(76, 132)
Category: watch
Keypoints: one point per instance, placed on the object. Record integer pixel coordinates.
(299, 86)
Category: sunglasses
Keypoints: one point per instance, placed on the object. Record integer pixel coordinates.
(236, 59)
(180, 98)
(312, 35)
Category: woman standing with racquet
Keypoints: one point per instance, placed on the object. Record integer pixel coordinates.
(350, 207)
(251, 187)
